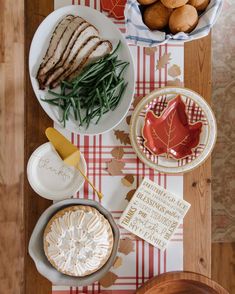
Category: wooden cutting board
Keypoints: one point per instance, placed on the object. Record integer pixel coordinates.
(181, 283)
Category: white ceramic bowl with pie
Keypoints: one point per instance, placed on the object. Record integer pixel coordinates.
(74, 242)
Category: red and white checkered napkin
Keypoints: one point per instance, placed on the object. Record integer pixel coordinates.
(145, 261)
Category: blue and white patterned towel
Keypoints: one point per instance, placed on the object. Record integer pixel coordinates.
(138, 33)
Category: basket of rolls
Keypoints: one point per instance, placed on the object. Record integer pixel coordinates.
(154, 22)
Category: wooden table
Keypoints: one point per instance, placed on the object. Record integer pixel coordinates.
(21, 206)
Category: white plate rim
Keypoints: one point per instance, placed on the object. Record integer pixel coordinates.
(211, 137)
(49, 194)
(59, 13)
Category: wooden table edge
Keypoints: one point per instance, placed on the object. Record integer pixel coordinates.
(197, 183)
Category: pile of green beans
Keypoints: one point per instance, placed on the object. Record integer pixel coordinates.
(97, 90)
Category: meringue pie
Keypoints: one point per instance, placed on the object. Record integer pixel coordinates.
(78, 240)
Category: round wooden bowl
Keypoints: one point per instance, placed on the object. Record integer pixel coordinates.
(181, 283)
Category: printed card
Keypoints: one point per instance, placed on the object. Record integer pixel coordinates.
(154, 214)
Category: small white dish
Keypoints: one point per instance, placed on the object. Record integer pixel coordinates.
(43, 266)
(109, 31)
(50, 177)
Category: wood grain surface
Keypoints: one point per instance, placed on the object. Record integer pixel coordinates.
(181, 283)
(36, 121)
(11, 146)
(223, 265)
(197, 183)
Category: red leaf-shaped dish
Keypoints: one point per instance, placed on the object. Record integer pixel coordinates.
(115, 8)
(171, 134)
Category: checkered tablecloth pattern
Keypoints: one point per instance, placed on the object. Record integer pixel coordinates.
(145, 261)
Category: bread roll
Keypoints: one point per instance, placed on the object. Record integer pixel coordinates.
(199, 4)
(174, 3)
(147, 2)
(156, 16)
(183, 19)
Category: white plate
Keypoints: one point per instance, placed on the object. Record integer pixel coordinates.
(50, 177)
(195, 105)
(109, 31)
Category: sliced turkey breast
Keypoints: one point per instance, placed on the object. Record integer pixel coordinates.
(56, 36)
(79, 60)
(100, 49)
(61, 47)
(80, 31)
(71, 43)
(103, 48)
(82, 39)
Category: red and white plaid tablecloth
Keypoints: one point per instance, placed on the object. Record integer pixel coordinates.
(145, 261)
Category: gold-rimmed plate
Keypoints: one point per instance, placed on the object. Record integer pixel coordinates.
(197, 109)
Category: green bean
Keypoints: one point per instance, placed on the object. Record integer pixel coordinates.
(97, 89)
(89, 111)
(50, 102)
(106, 97)
(116, 86)
(79, 112)
(62, 89)
(74, 108)
(101, 105)
(114, 51)
(84, 74)
(93, 114)
(117, 98)
(110, 80)
(104, 77)
(57, 95)
(66, 112)
(66, 84)
(122, 70)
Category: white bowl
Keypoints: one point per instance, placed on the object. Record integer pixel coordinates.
(44, 267)
(108, 30)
